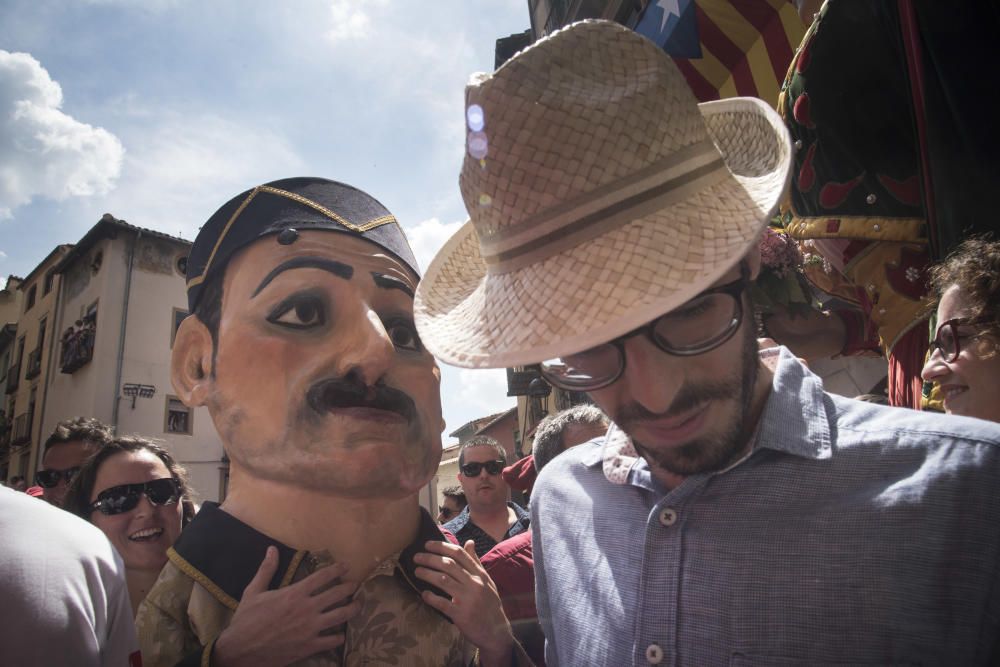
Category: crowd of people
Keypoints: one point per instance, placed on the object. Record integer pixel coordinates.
(712, 504)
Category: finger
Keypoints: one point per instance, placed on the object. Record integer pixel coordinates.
(321, 579)
(339, 615)
(334, 595)
(442, 604)
(439, 579)
(265, 573)
(465, 555)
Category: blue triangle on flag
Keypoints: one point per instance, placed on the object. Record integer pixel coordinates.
(673, 26)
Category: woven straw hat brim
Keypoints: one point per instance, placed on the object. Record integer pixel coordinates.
(608, 286)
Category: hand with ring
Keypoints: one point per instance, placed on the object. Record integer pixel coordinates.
(473, 604)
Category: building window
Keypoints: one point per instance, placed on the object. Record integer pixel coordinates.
(49, 278)
(181, 265)
(178, 317)
(31, 298)
(179, 417)
(77, 342)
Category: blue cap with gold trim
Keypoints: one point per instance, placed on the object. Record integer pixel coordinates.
(291, 204)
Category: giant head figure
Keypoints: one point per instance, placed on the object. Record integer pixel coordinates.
(301, 342)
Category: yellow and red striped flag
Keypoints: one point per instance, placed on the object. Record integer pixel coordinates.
(726, 48)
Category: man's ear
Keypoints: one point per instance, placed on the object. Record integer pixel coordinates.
(191, 362)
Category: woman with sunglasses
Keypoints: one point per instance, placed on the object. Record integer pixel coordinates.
(134, 491)
(964, 356)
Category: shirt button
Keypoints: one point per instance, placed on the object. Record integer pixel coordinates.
(654, 654)
(668, 517)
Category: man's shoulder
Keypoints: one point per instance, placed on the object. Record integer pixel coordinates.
(458, 523)
(514, 548)
(859, 423)
(43, 529)
(571, 466)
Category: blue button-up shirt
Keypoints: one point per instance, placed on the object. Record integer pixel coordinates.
(852, 534)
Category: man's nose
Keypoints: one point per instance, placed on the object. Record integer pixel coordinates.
(652, 377)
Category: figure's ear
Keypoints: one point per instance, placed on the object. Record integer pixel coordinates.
(191, 362)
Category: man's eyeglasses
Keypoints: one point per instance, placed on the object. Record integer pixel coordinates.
(50, 478)
(702, 324)
(473, 469)
(446, 513)
(949, 339)
(124, 498)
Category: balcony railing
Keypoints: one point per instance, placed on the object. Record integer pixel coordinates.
(13, 378)
(22, 430)
(77, 349)
(34, 368)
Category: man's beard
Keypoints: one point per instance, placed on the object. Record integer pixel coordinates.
(717, 450)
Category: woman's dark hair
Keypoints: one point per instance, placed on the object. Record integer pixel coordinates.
(82, 487)
(974, 266)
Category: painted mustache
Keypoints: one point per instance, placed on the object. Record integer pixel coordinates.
(334, 393)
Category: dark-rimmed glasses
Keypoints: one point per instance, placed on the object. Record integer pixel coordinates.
(697, 326)
(948, 339)
(125, 497)
(48, 479)
(473, 469)
(446, 513)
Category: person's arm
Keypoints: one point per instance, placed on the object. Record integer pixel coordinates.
(473, 603)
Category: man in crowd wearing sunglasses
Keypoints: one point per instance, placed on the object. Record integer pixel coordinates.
(735, 513)
(452, 505)
(72, 442)
(302, 346)
(489, 517)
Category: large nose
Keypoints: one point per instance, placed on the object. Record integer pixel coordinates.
(935, 367)
(652, 378)
(367, 349)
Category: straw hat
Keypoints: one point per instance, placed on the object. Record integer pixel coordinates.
(601, 195)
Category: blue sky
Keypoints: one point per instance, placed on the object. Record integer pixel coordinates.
(158, 111)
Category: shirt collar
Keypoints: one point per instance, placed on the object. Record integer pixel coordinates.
(794, 420)
(214, 531)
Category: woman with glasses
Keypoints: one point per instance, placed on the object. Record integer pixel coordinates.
(134, 491)
(964, 356)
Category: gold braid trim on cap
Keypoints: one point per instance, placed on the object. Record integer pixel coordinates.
(360, 229)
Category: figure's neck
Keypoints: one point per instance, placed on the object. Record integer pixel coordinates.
(360, 533)
(139, 583)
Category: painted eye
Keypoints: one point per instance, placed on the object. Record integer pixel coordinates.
(403, 335)
(299, 313)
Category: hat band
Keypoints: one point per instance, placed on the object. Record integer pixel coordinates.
(651, 189)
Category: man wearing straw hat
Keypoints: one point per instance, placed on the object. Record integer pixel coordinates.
(734, 513)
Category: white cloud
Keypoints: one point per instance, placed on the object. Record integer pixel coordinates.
(350, 20)
(484, 391)
(3, 255)
(181, 168)
(43, 151)
(427, 238)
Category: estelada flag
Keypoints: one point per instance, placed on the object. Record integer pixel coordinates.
(726, 48)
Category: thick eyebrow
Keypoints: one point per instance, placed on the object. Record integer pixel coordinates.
(338, 269)
(391, 282)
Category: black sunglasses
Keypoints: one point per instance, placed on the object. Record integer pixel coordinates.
(446, 512)
(50, 478)
(492, 468)
(124, 498)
